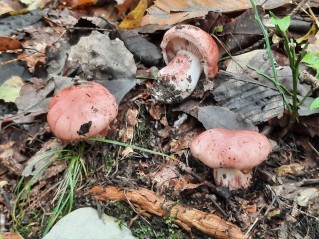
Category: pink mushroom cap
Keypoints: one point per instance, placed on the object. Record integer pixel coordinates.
(81, 111)
(187, 51)
(194, 40)
(232, 153)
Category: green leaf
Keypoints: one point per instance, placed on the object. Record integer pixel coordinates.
(314, 104)
(312, 60)
(281, 23)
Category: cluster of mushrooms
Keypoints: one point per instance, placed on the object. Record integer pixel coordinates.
(86, 110)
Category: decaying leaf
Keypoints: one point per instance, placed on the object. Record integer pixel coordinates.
(185, 216)
(10, 235)
(257, 102)
(293, 191)
(169, 177)
(220, 117)
(308, 125)
(294, 169)
(5, 7)
(134, 18)
(142, 49)
(33, 100)
(124, 5)
(8, 43)
(258, 59)
(35, 50)
(105, 61)
(13, 24)
(241, 32)
(166, 12)
(10, 158)
(37, 161)
(10, 89)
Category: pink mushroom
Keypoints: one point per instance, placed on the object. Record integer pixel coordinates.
(188, 51)
(82, 111)
(232, 154)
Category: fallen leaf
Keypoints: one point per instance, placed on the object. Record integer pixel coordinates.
(124, 6)
(239, 93)
(42, 157)
(33, 99)
(156, 111)
(106, 61)
(143, 50)
(305, 195)
(83, 3)
(10, 89)
(220, 117)
(294, 169)
(241, 32)
(308, 125)
(8, 43)
(157, 16)
(166, 12)
(10, 158)
(127, 151)
(131, 117)
(5, 7)
(10, 235)
(134, 18)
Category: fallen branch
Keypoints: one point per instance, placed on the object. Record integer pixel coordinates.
(185, 216)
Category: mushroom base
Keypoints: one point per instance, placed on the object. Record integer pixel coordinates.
(178, 79)
(232, 178)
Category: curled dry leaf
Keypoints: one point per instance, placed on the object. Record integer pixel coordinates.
(186, 217)
(168, 176)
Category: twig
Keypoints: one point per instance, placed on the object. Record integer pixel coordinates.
(300, 5)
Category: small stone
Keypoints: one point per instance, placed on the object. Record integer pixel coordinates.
(84, 223)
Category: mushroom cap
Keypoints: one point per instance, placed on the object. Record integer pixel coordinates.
(81, 111)
(195, 40)
(223, 148)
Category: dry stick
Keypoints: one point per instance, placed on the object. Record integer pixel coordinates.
(185, 216)
(303, 2)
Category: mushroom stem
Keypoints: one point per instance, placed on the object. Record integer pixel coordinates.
(179, 77)
(232, 178)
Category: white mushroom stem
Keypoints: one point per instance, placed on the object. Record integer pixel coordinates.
(232, 178)
(179, 78)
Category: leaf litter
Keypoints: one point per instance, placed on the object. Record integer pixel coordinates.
(62, 47)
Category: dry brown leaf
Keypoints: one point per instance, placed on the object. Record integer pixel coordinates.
(125, 6)
(127, 133)
(10, 235)
(5, 7)
(157, 16)
(168, 177)
(294, 169)
(186, 217)
(10, 158)
(131, 117)
(134, 18)
(8, 43)
(167, 12)
(83, 3)
(156, 111)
